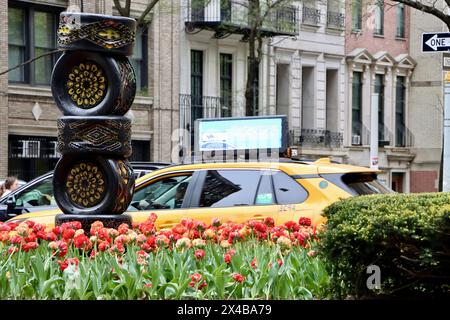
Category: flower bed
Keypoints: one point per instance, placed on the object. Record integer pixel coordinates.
(190, 261)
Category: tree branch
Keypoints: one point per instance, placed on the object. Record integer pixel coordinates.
(128, 8)
(150, 6)
(31, 60)
(119, 8)
(427, 9)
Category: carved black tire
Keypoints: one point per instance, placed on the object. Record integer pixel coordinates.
(107, 135)
(93, 32)
(91, 84)
(91, 184)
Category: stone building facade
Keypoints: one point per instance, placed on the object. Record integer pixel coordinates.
(426, 104)
(301, 75)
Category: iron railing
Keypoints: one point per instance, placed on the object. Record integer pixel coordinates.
(335, 20)
(221, 14)
(193, 107)
(310, 16)
(384, 136)
(315, 138)
(403, 137)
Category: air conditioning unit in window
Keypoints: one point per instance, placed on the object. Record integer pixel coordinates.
(356, 140)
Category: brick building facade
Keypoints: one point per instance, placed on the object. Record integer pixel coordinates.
(28, 121)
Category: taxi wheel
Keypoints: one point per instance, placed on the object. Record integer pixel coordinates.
(91, 84)
(107, 135)
(92, 184)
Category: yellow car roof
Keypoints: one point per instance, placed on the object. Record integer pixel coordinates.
(321, 166)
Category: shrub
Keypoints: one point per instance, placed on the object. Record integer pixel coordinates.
(407, 236)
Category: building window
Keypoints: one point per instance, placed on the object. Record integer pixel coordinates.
(356, 108)
(335, 19)
(31, 33)
(196, 84)
(198, 10)
(400, 20)
(400, 112)
(226, 76)
(225, 11)
(356, 15)
(141, 150)
(139, 62)
(379, 88)
(379, 17)
(16, 43)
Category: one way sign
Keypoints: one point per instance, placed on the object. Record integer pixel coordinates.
(434, 42)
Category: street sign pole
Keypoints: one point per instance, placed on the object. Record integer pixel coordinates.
(446, 160)
(374, 132)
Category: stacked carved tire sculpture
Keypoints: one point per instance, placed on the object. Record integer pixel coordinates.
(94, 85)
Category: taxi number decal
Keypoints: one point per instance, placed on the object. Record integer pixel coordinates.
(287, 207)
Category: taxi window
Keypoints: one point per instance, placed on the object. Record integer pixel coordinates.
(165, 193)
(40, 195)
(228, 188)
(287, 190)
(265, 189)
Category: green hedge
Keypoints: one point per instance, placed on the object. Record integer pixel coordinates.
(407, 236)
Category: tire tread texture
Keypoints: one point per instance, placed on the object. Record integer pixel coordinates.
(120, 84)
(105, 135)
(94, 32)
(118, 184)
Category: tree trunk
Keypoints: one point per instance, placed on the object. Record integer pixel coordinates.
(252, 80)
(254, 44)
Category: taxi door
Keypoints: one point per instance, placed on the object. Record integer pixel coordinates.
(236, 195)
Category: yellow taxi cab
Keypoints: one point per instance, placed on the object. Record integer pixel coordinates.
(241, 191)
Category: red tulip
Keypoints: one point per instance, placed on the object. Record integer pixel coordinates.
(238, 277)
(199, 254)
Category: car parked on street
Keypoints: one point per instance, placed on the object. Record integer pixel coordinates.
(37, 195)
(241, 191)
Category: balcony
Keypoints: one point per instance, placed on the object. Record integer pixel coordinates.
(310, 16)
(335, 20)
(226, 17)
(316, 138)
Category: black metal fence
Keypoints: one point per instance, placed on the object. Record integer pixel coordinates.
(31, 156)
(283, 19)
(335, 20)
(310, 15)
(316, 138)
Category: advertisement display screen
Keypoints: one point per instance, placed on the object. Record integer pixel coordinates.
(241, 133)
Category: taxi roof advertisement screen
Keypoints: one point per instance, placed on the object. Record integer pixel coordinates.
(241, 133)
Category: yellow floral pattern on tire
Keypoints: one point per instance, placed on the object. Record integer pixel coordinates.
(86, 85)
(85, 184)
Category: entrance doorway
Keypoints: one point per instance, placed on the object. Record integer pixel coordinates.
(397, 181)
